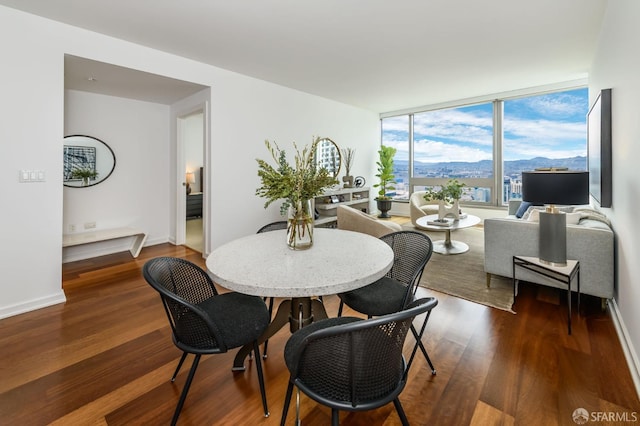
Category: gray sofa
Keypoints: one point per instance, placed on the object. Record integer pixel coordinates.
(591, 242)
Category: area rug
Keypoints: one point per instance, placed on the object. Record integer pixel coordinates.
(462, 275)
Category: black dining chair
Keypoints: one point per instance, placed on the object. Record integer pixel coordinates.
(352, 364)
(393, 292)
(273, 226)
(202, 321)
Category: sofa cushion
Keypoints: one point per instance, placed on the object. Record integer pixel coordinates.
(564, 209)
(571, 218)
(522, 209)
(350, 219)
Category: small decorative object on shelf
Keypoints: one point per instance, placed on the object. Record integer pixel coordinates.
(347, 156)
(297, 186)
(359, 181)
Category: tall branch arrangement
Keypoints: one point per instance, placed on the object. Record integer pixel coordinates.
(347, 156)
(292, 184)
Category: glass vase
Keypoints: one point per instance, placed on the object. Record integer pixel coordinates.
(300, 225)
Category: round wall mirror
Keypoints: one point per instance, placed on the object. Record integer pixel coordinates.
(328, 156)
(87, 161)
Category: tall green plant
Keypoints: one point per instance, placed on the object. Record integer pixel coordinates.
(385, 172)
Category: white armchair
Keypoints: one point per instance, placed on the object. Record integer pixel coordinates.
(419, 207)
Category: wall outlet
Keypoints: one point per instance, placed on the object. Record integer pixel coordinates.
(72, 228)
(89, 225)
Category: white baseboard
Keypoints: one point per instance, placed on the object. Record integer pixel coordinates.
(630, 353)
(32, 305)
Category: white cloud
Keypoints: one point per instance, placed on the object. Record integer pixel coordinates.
(555, 105)
(466, 134)
(429, 151)
(456, 126)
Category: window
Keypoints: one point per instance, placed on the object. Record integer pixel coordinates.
(543, 131)
(455, 143)
(488, 145)
(395, 133)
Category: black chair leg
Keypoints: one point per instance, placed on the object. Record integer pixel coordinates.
(418, 337)
(340, 309)
(287, 401)
(175, 373)
(263, 392)
(426, 356)
(266, 342)
(335, 417)
(401, 414)
(185, 390)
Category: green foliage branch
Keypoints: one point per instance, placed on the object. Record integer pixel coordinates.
(449, 192)
(292, 184)
(83, 172)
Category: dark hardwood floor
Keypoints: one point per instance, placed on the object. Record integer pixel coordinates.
(106, 357)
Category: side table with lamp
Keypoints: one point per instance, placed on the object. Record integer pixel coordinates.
(552, 187)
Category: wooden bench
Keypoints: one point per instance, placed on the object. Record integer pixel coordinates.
(70, 240)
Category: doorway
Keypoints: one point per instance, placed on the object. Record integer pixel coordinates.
(191, 138)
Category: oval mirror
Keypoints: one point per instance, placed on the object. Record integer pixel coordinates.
(328, 156)
(87, 161)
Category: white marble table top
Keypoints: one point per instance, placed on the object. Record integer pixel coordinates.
(469, 221)
(263, 265)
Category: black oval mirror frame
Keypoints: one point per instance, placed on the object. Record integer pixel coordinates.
(87, 153)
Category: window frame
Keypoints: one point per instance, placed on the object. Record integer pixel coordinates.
(497, 180)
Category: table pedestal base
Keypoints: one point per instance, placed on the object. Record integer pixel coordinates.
(297, 312)
(447, 246)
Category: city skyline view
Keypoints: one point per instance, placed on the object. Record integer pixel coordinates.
(548, 130)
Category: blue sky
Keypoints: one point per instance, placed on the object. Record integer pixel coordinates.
(551, 125)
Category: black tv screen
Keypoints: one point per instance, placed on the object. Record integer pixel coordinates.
(599, 148)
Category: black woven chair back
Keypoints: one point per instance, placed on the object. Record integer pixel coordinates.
(274, 226)
(182, 286)
(411, 251)
(359, 365)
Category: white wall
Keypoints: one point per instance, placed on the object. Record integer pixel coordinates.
(137, 192)
(617, 66)
(244, 111)
(253, 111)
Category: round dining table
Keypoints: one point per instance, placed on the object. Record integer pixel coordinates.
(263, 265)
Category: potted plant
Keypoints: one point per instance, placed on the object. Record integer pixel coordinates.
(387, 179)
(447, 194)
(84, 173)
(297, 186)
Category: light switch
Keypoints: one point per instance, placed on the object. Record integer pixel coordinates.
(26, 176)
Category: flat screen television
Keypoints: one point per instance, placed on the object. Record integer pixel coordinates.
(599, 148)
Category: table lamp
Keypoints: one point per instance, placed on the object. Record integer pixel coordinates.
(190, 178)
(551, 187)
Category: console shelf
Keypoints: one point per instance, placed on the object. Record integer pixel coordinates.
(327, 203)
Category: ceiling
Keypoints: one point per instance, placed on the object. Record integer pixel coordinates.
(381, 55)
(108, 79)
